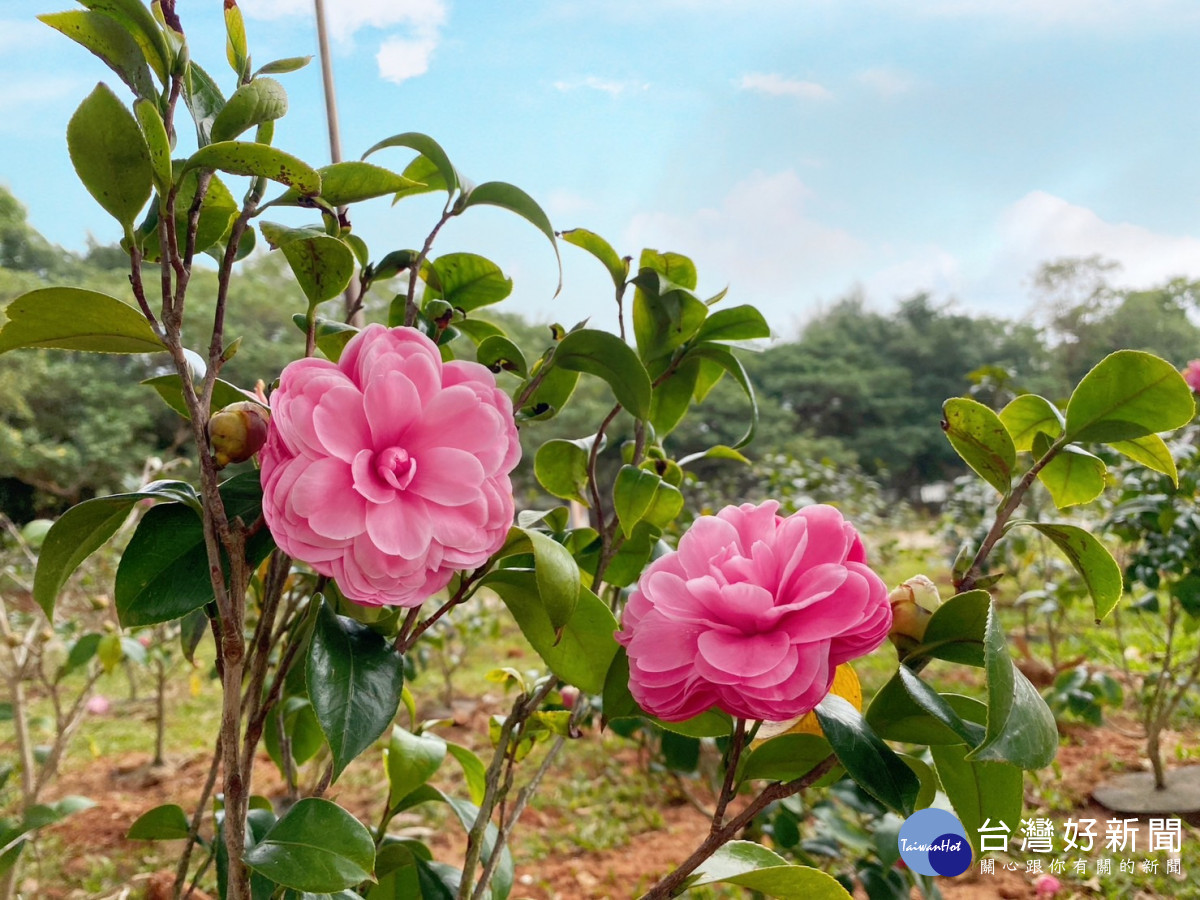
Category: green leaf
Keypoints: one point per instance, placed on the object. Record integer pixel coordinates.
(980, 438)
(557, 573)
(1152, 452)
(1129, 394)
(512, 198)
(618, 268)
(411, 761)
(1073, 476)
(582, 651)
(979, 791)
(784, 758)
(1020, 726)
(673, 396)
(674, 267)
(170, 388)
(718, 451)
(163, 573)
(738, 323)
(561, 468)
(756, 868)
(474, 772)
(204, 101)
(955, 631)
(163, 823)
(351, 182)
(323, 265)
(633, 495)
(467, 281)
(1091, 560)
(305, 737)
(110, 155)
(731, 364)
(665, 314)
(498, 352)
(283, 66)
(935, 705)
(870, 762)
(157, 142)
(316, 846)
(140, 24)
(257, 160)
(83, 529)
(552, 394)
(235, 39)
(218, 210)
(332, 335)
(354, 678)
(432, 151)
(82, 652)
(105, 37)
(610, 358)
(262, 100)
(1028, 415)
(895, 716)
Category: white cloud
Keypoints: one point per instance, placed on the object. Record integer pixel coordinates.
(778, 86)
(762, 241)
(885, 81)
(562, 203)
(1091, 13)
(604, 85)
(402, 54)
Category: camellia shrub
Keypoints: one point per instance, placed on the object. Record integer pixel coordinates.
(364, 492)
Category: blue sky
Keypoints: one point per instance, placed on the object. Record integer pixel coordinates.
(797, 149)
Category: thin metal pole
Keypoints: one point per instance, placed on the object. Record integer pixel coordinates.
(335, 140)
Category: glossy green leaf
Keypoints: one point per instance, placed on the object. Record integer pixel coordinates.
(785, 758)
(668, 503)
(262, 100)
(163, 573)
(467, 281)
(283, 66)
(731, 364)
(1129, 394)
(315, 846)
(84, 529)
(157, 142)
(170, 388)
(140, 24)
(411, 761)
(163, 823)
(515, 200)
(1020, 726)
(257, 160)
(204, 101)
(218, 209)
(351, 182)
(305, 738)
(955, 632)
(895, 716)
(473, 769)
(551, 394)
(665, 315)
(323, 265)
(499, 353)
(871, 763)
(676, 268)
(431, 150)
(627, 566)
(1151, 451)
(110, 155)
(719, 451)
(1028, 415)
(673, 397)
(756, 868)
(354, 678)
(618, 268)
(105, 37)
(1091, 560)
(555, 570)
(82, 652)
(934, 704)
(610, 358)
(1073, 476)
(582, 651)
(561, 468)
(633, 495)
(979, 791)
(235, 39)
(980, 438)
(738, 323)
(332, 335)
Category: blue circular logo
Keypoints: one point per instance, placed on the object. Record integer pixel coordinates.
(934, 842)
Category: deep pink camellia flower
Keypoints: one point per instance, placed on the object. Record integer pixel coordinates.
(389, 471)
(1191, 375)
(752, 615)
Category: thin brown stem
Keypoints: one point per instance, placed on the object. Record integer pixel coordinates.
(414, 272)
(185, 859)
(737, 742)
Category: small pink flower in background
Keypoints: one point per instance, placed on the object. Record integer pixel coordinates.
(570, 696)
(1047, 885)
(752, 615)
(389, 471)
(97, 705)
(1191, 375)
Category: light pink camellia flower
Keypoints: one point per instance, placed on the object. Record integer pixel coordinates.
(1191, 375)
(389, 471)
(97, 705)
(752, 615)
(1047, 886)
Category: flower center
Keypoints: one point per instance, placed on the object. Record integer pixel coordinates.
(396, 467)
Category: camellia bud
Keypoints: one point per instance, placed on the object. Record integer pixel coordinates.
(912, 605)
(237, 432)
